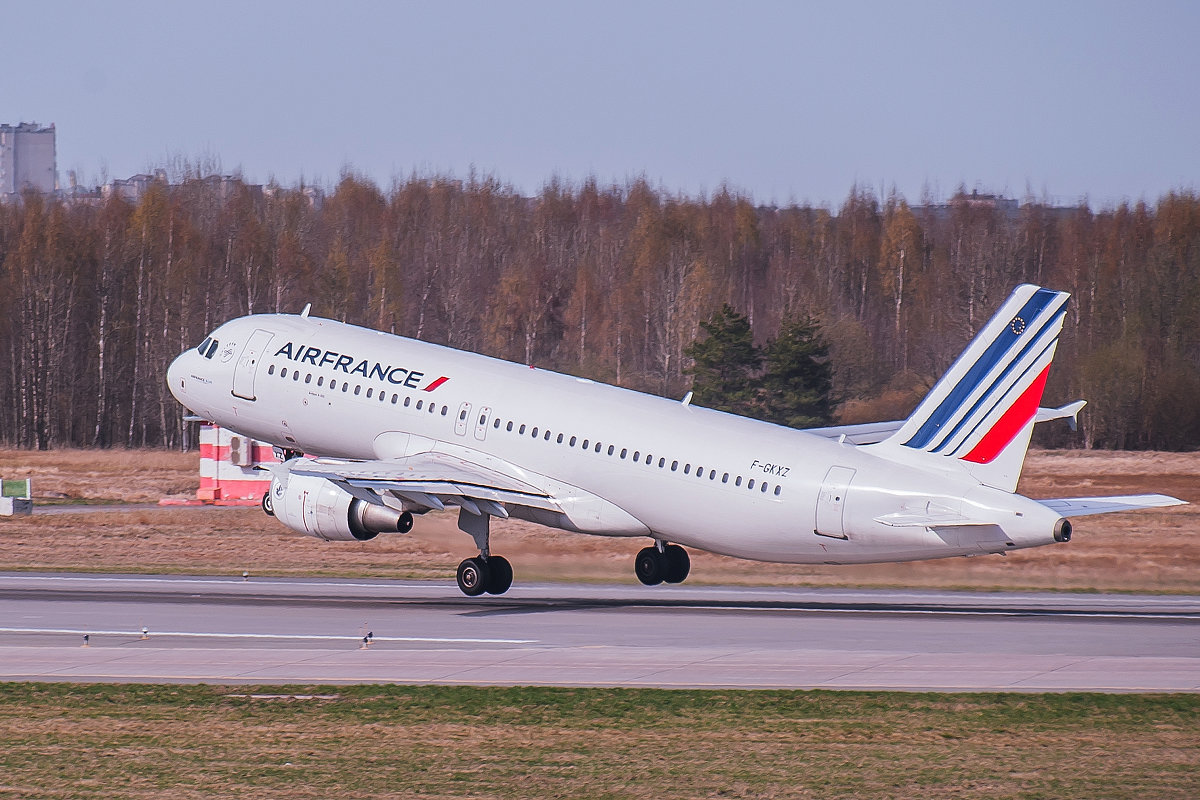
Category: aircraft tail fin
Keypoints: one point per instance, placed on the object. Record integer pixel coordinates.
(980, 415)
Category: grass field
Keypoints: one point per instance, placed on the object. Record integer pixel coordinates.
(1149, 551)
(433, 742)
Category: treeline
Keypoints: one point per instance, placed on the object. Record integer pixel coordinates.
(611, 282)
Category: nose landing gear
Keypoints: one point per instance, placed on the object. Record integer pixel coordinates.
(661, 563)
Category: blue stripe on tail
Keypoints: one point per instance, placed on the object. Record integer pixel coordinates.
(996, 351)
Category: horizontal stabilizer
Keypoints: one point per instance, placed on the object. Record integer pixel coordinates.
(1069, 412)
(872, 432)
(1083, 506)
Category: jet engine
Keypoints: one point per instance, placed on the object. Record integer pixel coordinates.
(317, 507)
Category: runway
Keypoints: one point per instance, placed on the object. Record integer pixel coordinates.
(310, 631)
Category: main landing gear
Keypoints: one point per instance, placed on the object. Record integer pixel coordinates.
(491, 574)
(485, 572)
(661, 563)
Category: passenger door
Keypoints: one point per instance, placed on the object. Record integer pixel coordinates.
(247, 366)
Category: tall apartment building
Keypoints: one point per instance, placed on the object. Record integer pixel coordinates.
(27, 158)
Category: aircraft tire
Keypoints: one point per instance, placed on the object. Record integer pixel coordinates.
(500, 575)
(679, 564)
(473, 576)
(650, 566)
(267, 506)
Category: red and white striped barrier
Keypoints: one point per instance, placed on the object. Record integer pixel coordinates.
(227, 468)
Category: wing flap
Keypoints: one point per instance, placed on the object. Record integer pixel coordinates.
(1083, 506)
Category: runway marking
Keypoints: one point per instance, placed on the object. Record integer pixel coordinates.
(260, 583)
(302, 636)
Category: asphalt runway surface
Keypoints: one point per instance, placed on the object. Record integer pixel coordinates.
(227, 630)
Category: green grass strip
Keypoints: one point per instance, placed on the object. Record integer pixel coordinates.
(135, 741)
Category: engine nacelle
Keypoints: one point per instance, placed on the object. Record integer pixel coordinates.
(317, 507)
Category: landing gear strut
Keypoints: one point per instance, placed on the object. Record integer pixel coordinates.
(662, 563)
(485, 572)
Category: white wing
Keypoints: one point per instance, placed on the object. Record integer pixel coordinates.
(433, 480)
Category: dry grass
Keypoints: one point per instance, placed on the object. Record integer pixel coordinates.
(437, 742)
(1155, 551)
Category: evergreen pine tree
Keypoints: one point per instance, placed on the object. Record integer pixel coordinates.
(797, 386)
(727, 364)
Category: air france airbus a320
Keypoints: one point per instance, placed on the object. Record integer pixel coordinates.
(395, 427)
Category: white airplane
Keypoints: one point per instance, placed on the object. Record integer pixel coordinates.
(396, 427)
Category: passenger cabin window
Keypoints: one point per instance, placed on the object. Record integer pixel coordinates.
(271, 370)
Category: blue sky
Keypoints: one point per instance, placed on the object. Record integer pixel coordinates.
(786, 101)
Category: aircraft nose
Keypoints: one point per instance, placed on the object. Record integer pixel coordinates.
(176, 377)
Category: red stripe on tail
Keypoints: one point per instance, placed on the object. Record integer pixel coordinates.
(1009, 425)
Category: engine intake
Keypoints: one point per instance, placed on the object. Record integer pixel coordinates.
(1062, 530)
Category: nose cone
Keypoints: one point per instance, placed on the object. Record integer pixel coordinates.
(177, 378)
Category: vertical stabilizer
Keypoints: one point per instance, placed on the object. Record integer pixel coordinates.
(980, 414)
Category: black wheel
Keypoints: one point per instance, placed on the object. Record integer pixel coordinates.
(405, 523)
(679, 564)
(473, 576)
(500, 575)
(650, 566)
(267, 506)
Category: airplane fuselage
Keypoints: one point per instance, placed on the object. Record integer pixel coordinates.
(621, 463)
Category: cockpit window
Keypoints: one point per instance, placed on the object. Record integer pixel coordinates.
(212, 348)
(203, 345)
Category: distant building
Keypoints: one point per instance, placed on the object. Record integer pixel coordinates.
(134, 187)
(27, 159)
